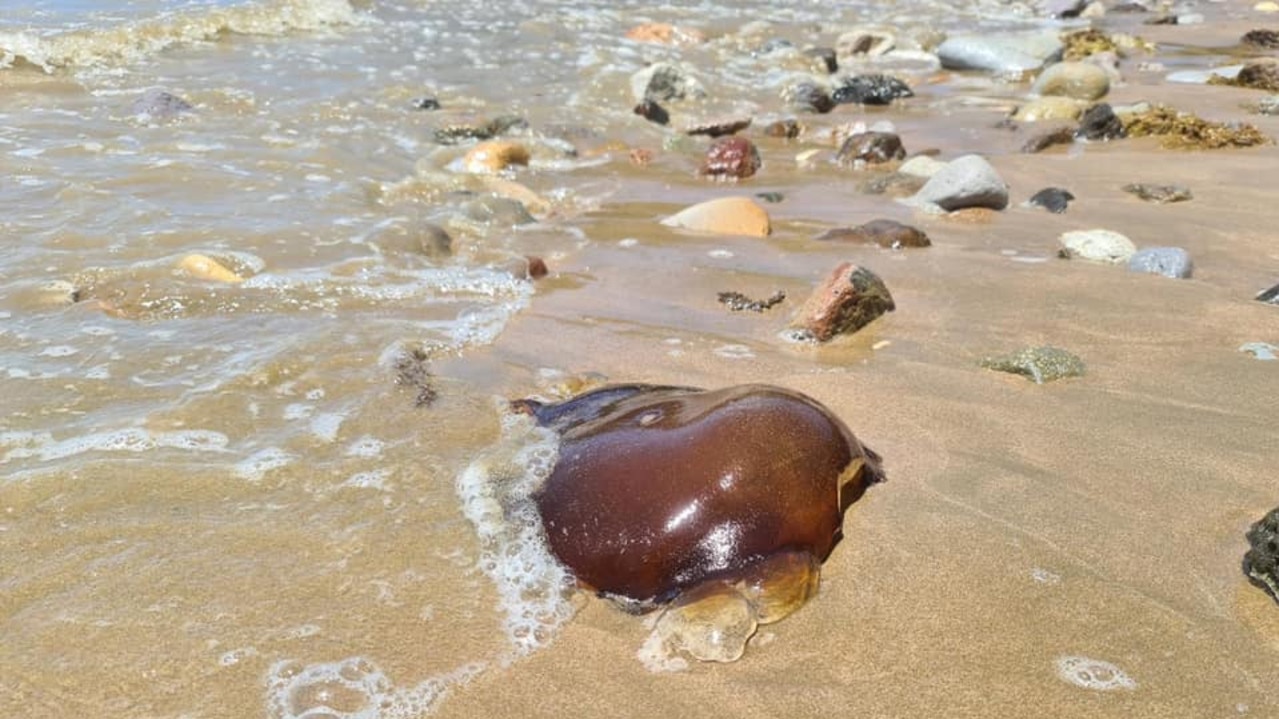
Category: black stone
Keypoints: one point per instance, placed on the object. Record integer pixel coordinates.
(426, 103)
(1261, 562)
(1270, 296)
(653, 112)
(871, 90)
(1100, 123)
(1053, 199)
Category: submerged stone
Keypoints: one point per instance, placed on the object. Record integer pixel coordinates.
(722, 502)
(1101, 123)
(882, 232)
(1053, 199)
(1171, 262)
(808, 97)
(872, 148)
(156, 103)
(1261, 562)
(1040, 364)
(1159, 194)
(724, 216)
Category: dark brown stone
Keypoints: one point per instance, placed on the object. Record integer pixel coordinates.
(788, 129)
(849, 299)
(873, 148)
(718, 128)
(1045, 140)
(885, 233)
(652, 112)
(731, 158)
(1268, 39)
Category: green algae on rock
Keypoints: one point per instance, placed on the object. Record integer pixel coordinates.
(1261, 562)
(1040, 364)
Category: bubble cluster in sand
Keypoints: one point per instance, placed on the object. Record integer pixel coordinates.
(353, 688)
(1092, 674)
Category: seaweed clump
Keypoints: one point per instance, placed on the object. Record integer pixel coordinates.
(412, 370)
(736, 301)
(1184, 130)
(1082, 43)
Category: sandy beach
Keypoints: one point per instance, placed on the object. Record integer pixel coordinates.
(258, 520)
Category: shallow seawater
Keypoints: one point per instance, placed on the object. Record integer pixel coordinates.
(269, 497)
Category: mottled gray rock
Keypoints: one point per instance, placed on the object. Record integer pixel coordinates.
(1261, 563)
(1171, 262)
(1097, 245)
(999, 52)
(967, 181)
(664, 82)
(1159, 194)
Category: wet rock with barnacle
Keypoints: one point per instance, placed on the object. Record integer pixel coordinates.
(1039, 364)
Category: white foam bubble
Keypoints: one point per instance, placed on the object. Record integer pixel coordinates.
(375, 479)
(367, 447)
(496, 490)
(1092, 674)
(254, 467)
(133, 439)
(353, 688)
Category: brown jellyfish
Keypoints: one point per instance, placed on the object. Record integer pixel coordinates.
(720, 505)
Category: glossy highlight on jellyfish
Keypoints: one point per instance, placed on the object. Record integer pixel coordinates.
(717, 504)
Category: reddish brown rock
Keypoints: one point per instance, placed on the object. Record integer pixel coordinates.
(873, 148)
(731, 158)
(849, 299)
(885, 233)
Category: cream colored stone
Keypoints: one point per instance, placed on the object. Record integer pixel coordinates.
(533, 202)
(1050, 107)
(724, 216)
(1081, 80)
(495, 156)
(207, 268)
(1266, 7)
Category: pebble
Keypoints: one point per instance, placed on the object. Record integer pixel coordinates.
(1268, 105)
(786, 129)
(1096, 245)
(1267, 39)
(1040, 364)
(156, 103)
(1266, 6)
(967, 181)
(664, 34)
(1159, 194)
(730, 158)
(1261, 562)
(665, 82)
(1270, 296)
(718, 127)
(652, 112)
(724, 216)
(1053, 199)
(416, 238)
(1063, 8)
(491, 210)
(1080, 80)
(875, 89)
(882, 232)
(495, 156)
(1259, 75)
(850, 298)
(1045, 140)
(1260, 350)
(1171, 262)
(207, 268)
(807, 97)
(1101, 123)
(872, 148)
(1002, 53)
(1050, 107)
